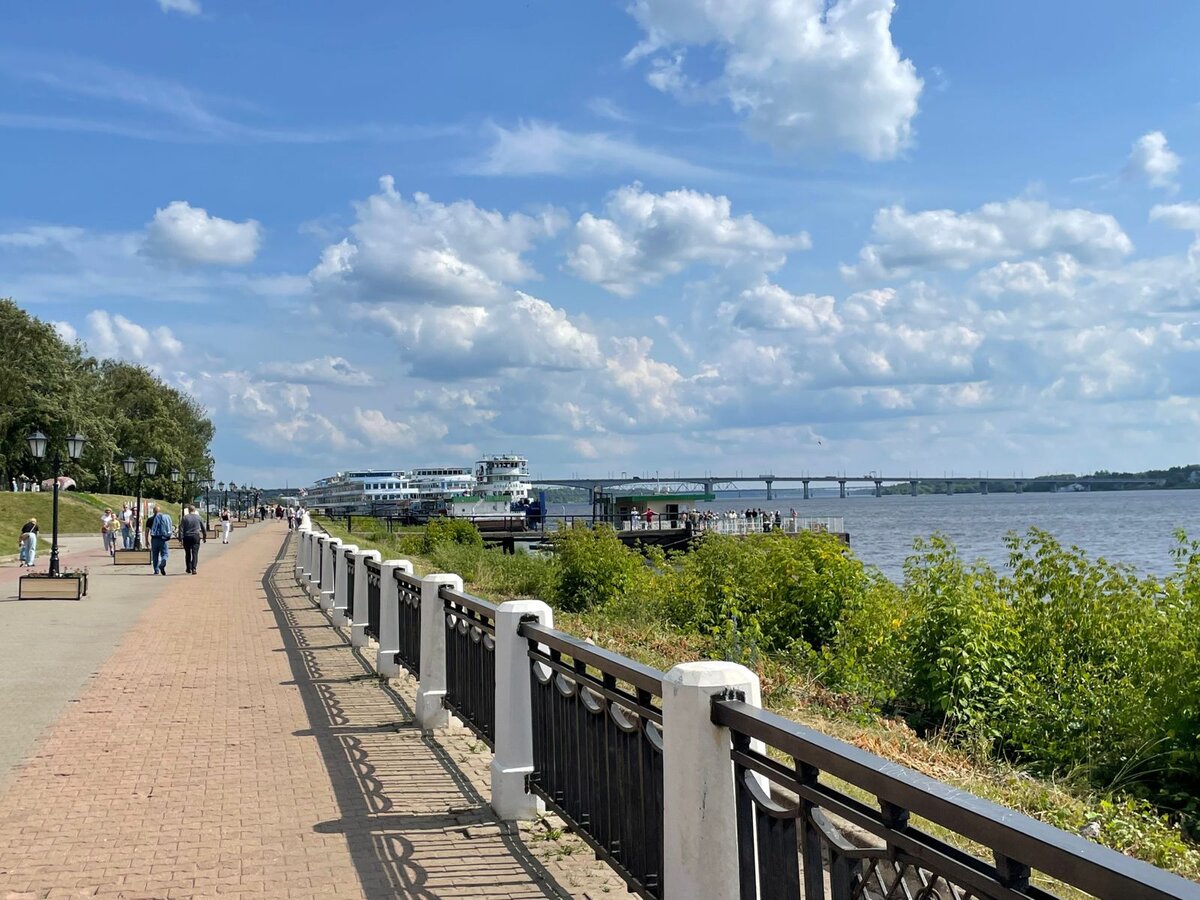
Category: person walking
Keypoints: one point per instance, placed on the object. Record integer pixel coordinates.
(126, 527)
(192, 535)
(108, 531)
(226, 526)
(158, 529)
(28, 543)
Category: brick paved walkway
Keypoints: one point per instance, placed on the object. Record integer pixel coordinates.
(234, 744)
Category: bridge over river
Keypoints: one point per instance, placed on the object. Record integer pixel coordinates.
(596, 487)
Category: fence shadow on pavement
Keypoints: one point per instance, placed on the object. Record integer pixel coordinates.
(414, 823)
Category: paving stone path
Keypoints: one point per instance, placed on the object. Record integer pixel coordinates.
(235, 744)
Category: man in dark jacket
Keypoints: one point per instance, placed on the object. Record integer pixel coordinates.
(159, 529)
(192, 534)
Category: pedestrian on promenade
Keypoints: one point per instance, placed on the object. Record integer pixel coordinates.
(226, 526)
(291, 517)
(191, 534)
(158, 529)
(28, 543)
(126, 527)
(649, 515)
(108, 531)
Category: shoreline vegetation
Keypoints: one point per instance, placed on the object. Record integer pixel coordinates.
(1061, 686)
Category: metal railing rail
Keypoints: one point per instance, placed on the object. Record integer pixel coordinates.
(374, 590)
(784, 846)
(351, 567)
(597, 750)
(471, 661)
(408, 589)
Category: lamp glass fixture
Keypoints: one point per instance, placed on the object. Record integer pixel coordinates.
(75, 445)
(37, 444)
(151, 466)
(175, 475)
(129, 464)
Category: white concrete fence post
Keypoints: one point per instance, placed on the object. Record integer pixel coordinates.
(301, 553)
(389, 618)
(431, 691)
(356, 615)
(332, 546)
(314, 565)
(343, 585)
(700, 848)
(513, 757)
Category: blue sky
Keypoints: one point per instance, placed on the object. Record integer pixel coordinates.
(672, 235)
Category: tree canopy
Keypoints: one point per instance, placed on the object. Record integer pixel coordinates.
(123, 409)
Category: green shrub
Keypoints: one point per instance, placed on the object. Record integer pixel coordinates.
(774, 591)
(444, 530)
(595, 568)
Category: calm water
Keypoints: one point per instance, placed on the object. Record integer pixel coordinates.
(1126, 526)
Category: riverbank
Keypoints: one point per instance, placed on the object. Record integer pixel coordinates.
(662, 615)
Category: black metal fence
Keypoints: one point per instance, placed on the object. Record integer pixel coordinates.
(597, 750)
(814, 818)
(471, 661)
(793, 841)
(351, 567)
(374, 587)
(409, 654)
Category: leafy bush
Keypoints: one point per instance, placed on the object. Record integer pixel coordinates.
(778, 592)
(443, 530)
(595, 568)
(1072, 666)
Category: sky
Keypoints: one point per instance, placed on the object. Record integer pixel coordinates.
(673, 236)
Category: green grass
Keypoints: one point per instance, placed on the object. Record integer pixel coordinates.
(78, 513)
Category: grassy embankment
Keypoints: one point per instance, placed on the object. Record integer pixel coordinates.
(78, 513)
(1040, 690)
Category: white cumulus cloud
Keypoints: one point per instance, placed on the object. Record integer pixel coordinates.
(444, 343)
(187, 7)
(644, 237)
(807, 75)
(185, 233)
(333, 370)
(538, 148)
(116, 337)
(768, 307)
(1152, 160)
(422, 251)
(945, 239)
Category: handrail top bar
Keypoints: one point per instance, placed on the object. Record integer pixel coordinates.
(468, 601)
(621, 667)
(1075, 860)
(373, 565)
(404, 578)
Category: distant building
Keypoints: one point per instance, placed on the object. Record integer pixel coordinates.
(504, 473)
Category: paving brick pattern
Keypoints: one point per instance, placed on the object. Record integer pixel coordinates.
(234, 744)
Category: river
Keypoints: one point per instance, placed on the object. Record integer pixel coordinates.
(1136, 527)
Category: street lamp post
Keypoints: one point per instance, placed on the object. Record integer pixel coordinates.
(233, 489)
(37, 446)
(179, 488)
(208, 486)
(150, 467)
(192, 484)
(224, 496)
